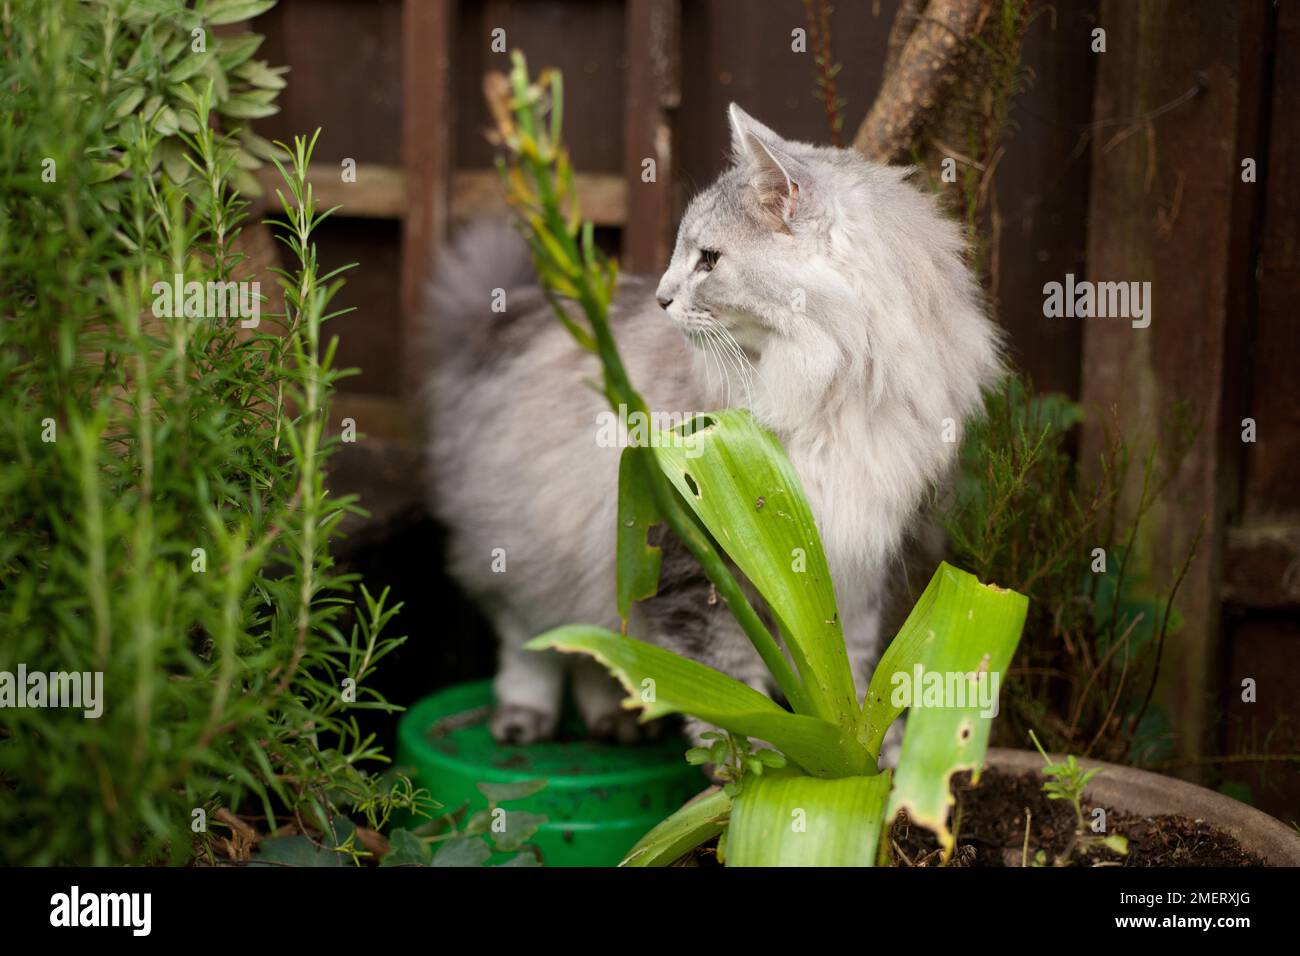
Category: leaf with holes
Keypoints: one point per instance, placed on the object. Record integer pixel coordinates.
(739, 482)
(638, 560)
(957, 629)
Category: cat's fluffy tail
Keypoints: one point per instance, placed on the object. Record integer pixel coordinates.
(484, 262)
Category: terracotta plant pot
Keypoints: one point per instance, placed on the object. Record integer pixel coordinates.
(1143, 793)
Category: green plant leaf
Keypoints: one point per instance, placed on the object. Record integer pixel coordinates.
(792, 820)
(166, 121)
(462, 851)
(246, 106)
(218, 12)
(661, 682)
(173, 160)
(638, 561)
(188, 67)
(406, 849)
(135, 11)
(520, 825)
(737, 479)
(1117, 843)
(261, 147)
(958, 627)
(296, 851)
(127, 101)
(506, 792)
(244, 182)
(259, 74)
(233, 50)
(699, 821)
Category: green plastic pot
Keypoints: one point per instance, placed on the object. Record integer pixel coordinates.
(599, 799)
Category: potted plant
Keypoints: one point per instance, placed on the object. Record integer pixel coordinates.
(819, 797)
(757, 517)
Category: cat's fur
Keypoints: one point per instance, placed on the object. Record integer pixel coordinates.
(840, 311)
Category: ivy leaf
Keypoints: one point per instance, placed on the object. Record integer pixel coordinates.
(406, 849)
(462, 851)
(520, 827)
(295, 851)
(506, 792)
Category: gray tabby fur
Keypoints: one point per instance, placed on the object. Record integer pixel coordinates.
(840, 311)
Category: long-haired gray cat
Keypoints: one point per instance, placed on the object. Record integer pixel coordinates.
(823, 292)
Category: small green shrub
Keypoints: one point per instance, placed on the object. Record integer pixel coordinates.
(150, 51)
(1024, 513)
(166, 522)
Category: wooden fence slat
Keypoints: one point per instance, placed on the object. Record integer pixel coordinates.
(1164, 209)
(653, 91)
(1272, 481)
(380, 193)
(427, 122)
(477, 192)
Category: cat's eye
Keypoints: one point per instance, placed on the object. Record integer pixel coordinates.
(708, 259)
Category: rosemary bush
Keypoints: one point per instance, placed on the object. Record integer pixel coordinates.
(166, 521)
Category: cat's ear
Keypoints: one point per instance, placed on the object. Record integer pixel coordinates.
(774, 176)
(744, 128)
(775, 187)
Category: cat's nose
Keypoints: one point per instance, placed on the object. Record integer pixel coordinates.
(663, 303)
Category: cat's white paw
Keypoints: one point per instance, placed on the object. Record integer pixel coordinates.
(516, 724)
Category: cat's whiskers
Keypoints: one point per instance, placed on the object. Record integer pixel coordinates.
(706, 341)
(710, 342)
(697, 338)
(715, 333)
(737, 360)
(725, 351)
(743, 364)
(709, 345)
